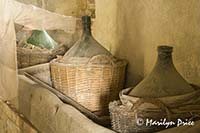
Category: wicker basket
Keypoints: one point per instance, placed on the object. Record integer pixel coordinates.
(29, 57)
(130, 115)
(93, 85)
(128, 120)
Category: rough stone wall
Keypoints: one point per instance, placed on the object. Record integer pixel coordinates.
(65, 7)
(132, 29)
(12, 122)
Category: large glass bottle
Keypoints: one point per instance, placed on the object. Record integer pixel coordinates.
(164, 80)
(86, 46)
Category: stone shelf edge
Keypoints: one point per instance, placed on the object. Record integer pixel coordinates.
(48, 113)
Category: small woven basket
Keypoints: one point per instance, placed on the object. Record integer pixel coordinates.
(92, 84)
(128, 120)
(29, 57)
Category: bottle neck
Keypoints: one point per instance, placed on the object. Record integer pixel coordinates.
(164, 55)
(87, 29)
(164, 58)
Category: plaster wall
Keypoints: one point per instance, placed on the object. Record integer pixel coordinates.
(133, 29)
(118, 26)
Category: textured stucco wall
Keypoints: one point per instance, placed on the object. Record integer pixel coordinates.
(132, 29)
(118, 27)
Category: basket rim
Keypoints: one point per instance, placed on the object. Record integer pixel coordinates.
(170, 101)
(126, 90)
(119, 63)
(28, 50)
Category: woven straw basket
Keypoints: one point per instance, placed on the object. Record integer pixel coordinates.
(130, 114)
(128, 120)
(92, 84)
(27, 57)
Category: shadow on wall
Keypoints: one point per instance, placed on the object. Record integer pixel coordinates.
(130, 45)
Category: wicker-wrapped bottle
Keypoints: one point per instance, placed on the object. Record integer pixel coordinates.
(162, 96)
(88, 72)
(39, 48)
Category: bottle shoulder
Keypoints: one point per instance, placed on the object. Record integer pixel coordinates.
(87, 47)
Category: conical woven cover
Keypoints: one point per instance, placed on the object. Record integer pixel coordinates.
(164, 80)
(86, 46)
(42, 39)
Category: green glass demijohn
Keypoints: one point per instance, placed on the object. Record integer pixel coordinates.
(42, 39)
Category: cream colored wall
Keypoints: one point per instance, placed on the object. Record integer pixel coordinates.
(132, 29)
(118, 27)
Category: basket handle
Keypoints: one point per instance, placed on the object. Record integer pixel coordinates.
(155, 102)
(97, 57)
(193, 116)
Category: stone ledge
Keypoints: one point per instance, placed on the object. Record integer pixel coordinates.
(49, 114)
